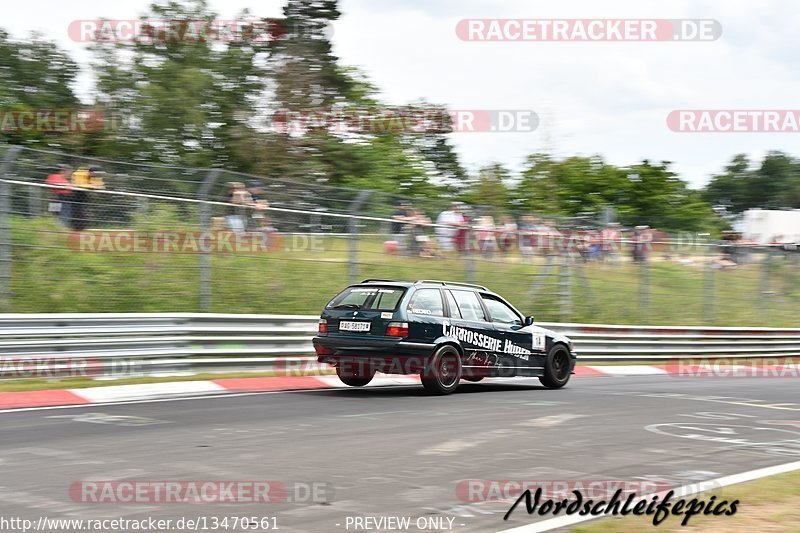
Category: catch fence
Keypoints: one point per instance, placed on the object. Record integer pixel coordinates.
(170, 239)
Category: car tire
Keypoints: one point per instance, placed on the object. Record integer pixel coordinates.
(443, 371)
(355, 377)
(557, 367)
(474, 375)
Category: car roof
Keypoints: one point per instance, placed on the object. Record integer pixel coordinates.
(427, 282)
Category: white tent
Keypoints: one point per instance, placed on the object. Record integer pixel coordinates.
(765, 226)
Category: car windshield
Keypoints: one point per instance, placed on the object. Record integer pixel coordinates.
(368, 298)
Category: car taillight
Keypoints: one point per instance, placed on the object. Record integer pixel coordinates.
(397, 329)
(323, 325)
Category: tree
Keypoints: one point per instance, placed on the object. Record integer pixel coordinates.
(431, 144)
(643, 194)
(185, 100)
(730, 189)
(775, 184)
(35, 75)
(489, 188)
(306, 78)
(658, 198)
(538, 186)
(571, 186)
(306, 73)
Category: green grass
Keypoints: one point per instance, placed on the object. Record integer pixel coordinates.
(768, 504)
(47, 276)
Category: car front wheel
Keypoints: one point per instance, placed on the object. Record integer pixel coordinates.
(443, 371)
(557, 367)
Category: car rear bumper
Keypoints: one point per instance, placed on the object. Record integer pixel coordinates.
(390, 355)
(380, 346)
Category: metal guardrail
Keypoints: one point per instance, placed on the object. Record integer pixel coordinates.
(169, 344)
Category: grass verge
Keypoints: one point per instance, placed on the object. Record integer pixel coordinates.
(50, 276)
(766, 505)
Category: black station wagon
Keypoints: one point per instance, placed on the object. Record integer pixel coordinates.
(444, 331)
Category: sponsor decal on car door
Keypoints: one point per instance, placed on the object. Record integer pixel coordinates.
(519, 344)
(468, 323)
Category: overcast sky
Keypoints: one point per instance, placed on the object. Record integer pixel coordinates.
(592, 97)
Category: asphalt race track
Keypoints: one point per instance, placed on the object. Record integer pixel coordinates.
(395, 451)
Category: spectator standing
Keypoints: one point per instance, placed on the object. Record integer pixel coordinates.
(260, 205)
(62, 203)
(462, 240)
(485, 229)
(240, 199)
(84, 180)
(549, 237)
(400, 219)
(595, 249)
(641, 243)
(527, 229)
(450, 221)
(264, 222)
(418, 239)
(728, 247)
(508, 233)
(612, 242)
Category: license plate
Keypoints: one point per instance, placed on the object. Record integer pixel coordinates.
(349, 325)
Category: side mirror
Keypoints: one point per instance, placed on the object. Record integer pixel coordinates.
(528, 320)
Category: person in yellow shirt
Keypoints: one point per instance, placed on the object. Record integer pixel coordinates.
(86, 179)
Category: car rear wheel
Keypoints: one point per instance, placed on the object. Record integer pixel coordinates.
(443, 371)
(355, 375)
(557, 367)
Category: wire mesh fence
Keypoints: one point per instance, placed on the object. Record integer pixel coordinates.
(138, 237)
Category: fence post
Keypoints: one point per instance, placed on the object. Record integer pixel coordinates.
(352, 227)
(5, 228)
(644, 288)
(540, 278)
(764, 285)
(709, 288)
(204, 214)
(469, 257)
(586, 285)
(565, 289)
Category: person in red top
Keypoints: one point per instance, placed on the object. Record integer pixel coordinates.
(62, 201)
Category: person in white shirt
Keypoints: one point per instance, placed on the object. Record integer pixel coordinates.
(508, 233)
(452, 219)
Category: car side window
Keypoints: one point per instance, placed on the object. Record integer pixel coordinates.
(451, 303)
(500, 312)
(387, 300)
(427, 302)
(469, 305)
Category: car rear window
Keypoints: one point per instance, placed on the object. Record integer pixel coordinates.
(368, 298)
